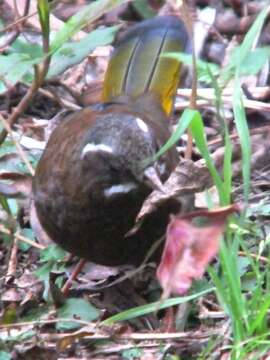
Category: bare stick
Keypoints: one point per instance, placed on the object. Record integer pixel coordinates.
(12, 263)
(22, 238)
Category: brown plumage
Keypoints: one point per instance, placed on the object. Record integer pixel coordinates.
(93, 176)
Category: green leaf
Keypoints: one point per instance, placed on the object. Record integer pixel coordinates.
(76, 308)
(132, 354)
(36, 313)
(18, 64)
(3, 87)
(21, 335)
(74, 52)
(13, 206)
(14, 66)
(52, 253)
(28, 233)
(87, 15)
(43, 271)
(23, 46)
(7, 148)
(5, 355)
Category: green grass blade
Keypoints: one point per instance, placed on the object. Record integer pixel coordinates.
(251, 36)
(236, 301)
(221, 292)
(243, 132)
(149, 308)
(261, 315)
(44, 17)
(227, 161)
(197, 130)
(4, 204)
(183, 124)
(242, 53)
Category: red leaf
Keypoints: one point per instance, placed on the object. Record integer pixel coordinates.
(189, 249)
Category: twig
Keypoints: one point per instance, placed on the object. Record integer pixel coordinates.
(51, 94)
(32, 19)
(193, 97)
(18, 21)
(95, 335)
(22, 238)
(208, 97)
(12, 263)
(259, 130)
(16, 33)
(22, 105)
(255, 256)
(73, 276)
(258, 92)
(42, 322)
(151, 347)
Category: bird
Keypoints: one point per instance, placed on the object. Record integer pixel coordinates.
(99, 164)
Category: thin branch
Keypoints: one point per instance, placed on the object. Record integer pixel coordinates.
(18, 21)
(95, 335)
(42, 322)
(22, 238)
(12, 263)
(263, 259)
(193, 98)
(16, 33)
(73, 276)
(207, 101)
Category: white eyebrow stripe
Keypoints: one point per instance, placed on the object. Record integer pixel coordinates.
(118, 189)
(142, 125)
(96, 147)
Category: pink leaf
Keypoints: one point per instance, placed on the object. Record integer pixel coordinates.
(189, 249)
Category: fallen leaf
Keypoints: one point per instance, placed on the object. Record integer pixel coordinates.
(189, 249)
(20, 186)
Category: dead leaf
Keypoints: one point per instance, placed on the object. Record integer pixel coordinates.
(11, 295)
(187, 179)
(19, 188)
(189, 249)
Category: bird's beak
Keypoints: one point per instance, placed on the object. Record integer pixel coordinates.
(152, 179)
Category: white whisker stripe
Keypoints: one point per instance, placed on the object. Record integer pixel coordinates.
(96, 147)
(118, 189)
(142, 125)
